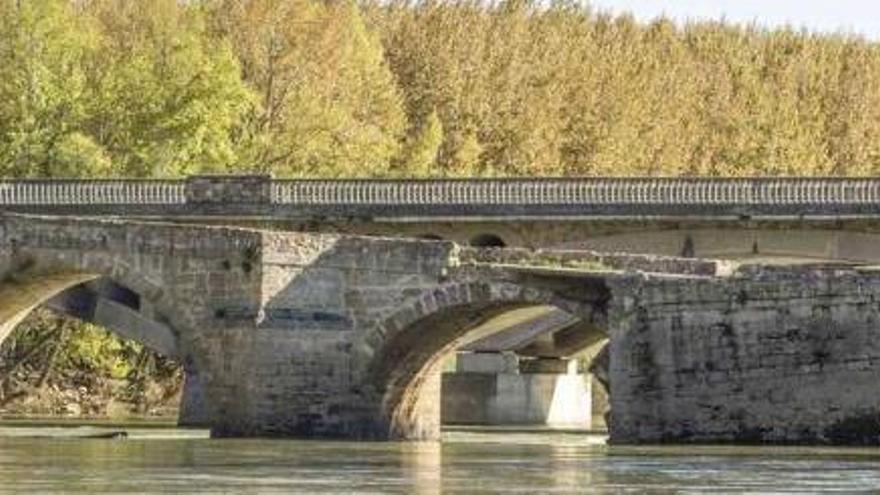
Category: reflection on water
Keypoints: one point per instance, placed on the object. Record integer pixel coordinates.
(163, 460)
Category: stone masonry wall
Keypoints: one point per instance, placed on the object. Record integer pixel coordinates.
(188, 275)
(784, 356)
(293, 334)
(306, 356)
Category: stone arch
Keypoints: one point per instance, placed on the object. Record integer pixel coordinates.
(409, 345)
(45, 266)
(22, 294)
(31, 277)
(487, 240)
(30, 285)
(430, 237)
(120, 310)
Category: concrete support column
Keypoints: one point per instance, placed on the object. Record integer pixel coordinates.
(501, 389)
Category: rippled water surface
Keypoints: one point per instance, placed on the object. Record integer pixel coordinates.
(43, 459)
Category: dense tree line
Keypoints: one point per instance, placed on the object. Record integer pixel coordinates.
(525, 88)
(163, 88)
(470, 87)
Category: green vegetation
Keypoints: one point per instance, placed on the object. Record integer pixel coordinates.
(162, 88)
(55, 365)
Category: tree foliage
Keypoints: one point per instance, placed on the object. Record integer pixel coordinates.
(517, 87)
(560, 89)
(162, 88)
(138, 85)
(328, 103)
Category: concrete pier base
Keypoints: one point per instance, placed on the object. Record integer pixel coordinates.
(498, 389)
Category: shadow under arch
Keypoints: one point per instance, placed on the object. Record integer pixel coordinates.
(405, 371)
(487, 240)
(23, 292)
(120, 310)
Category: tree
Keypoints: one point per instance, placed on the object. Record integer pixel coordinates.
(329, 105)
(167, 97)
(44, 50)
(420, 154)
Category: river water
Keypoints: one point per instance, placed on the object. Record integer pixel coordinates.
(42, 459)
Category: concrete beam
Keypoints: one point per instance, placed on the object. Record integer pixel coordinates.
(83, 303)
(534, 325)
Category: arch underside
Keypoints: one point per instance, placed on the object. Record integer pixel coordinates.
(21, 294)
(88, 297)
(410, 366)
(104, 303)
(407, 370)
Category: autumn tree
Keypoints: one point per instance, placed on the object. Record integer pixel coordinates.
(419, 157)
(328, 103)
(168, 97)
(45, 49)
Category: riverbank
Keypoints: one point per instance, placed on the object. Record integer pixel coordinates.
(99, 399)
(56, 367)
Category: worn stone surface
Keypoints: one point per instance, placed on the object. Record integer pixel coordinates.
(298, 334)
(226, 189)
(781, 356)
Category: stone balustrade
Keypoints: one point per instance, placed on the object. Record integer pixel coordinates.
(260, 194)
(90, 192)
(579, 191)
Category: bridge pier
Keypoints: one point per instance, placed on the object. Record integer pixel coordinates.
(279, 384)
(784, 355)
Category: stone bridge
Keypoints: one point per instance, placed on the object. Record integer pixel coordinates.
(779, 218)
(326, 335)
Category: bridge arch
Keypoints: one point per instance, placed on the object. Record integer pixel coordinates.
(409, 345)
(22, 294)
(120, 310)
(487, 240)
(24, 291)
(68, 294)
(44, 259)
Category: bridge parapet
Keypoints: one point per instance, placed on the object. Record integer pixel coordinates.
(572, 191)
(262, 195)
(591, 260)
(90, 192)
